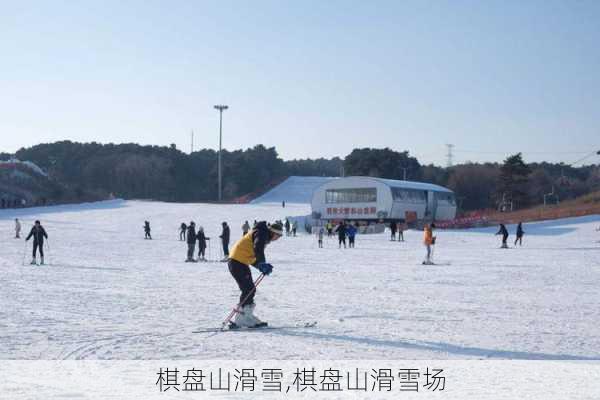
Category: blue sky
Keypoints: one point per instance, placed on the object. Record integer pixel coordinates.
(312, 78)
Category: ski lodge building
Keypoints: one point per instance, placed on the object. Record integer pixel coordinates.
(365, 198)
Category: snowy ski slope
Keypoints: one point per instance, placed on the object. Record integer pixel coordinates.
(110, 294)
(295, 189)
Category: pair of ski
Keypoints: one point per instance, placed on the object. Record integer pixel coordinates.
(229, 326)
(434, 264)
(311, 324)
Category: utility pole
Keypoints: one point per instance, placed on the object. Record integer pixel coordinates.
(449, 154)
(220, 107)
(404, 169)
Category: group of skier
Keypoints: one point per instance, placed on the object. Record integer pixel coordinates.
(345, 230)
(397, 227)
(291, 228)
(504, 232)
(39, 234)
(191, 236)
(250, 251)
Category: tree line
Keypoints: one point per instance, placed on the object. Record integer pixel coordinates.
(165, 173)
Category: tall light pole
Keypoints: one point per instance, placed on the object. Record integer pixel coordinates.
(220, 107)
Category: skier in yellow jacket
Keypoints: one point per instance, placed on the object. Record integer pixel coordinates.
(250, 250)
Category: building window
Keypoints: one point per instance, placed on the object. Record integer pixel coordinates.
(409, 195)
(445, 197)
(361, 195)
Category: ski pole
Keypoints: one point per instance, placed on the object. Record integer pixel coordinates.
(47, 250)
(24, 252)
(236, 309)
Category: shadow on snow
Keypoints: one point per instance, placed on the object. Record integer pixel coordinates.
(440, 347)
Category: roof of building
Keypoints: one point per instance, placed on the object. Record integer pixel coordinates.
(402, 184)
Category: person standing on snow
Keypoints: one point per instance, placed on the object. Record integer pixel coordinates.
(341, 231)
(147, 230)
(393, 228)
(17, 229)
(320, 232)
(520, 233)
(191, 241)
(250, 250)
(428, 241)
(401, 232)
(351, 231)
(201, 243)
(287, 227)
(182, 230)
(245, 228)
(504, 232)
(225, 240)
(39, 233)
(294, 228)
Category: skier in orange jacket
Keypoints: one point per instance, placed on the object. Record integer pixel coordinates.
(428, 241)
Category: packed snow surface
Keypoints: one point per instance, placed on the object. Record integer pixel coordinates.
(109, 294)
(295, 189)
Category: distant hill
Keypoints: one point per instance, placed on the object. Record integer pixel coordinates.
(132, 171)
(24, 184)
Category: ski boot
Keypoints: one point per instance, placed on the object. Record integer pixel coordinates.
(33, 262)
(42, 262)
(256, 322)
(245, 318)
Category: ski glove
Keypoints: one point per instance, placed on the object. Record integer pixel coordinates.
(265, 268)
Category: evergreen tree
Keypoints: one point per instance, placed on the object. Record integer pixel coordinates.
(512, 185)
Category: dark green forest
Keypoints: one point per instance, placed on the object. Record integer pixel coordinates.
(132, 171)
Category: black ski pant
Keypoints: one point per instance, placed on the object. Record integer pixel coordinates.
(520, 240)
(147, 236)
(39, 245)
(342, 240)
(191, 247)
(201, 251)
(504, 238)
(242, 275)
(226, 249)
(351, 241)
